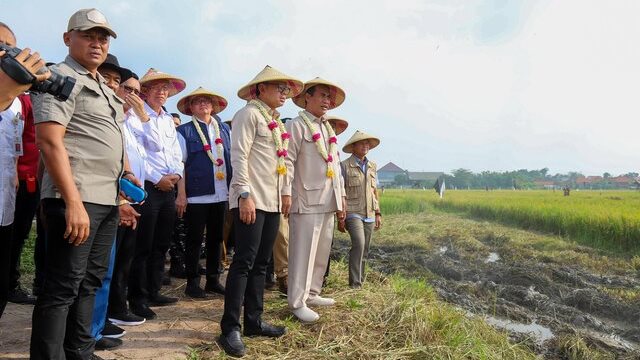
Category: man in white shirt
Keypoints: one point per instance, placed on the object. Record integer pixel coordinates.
(203, 192)
(163, 169)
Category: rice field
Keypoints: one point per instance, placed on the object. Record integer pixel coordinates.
(608, 220)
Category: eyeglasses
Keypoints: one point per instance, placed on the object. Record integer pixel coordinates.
(198, 101)
(130, 90)
(282, 89)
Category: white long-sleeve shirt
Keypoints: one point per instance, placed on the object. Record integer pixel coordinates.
(135, 140)
(164, 156)
(11, 127)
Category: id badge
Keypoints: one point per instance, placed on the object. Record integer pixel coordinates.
(18, 125)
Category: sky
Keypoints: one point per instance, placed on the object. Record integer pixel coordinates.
(477, 84)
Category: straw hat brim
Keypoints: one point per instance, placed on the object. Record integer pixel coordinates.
(219, 102)
(339, 125)
(337, 94)
(359, 136)
(177, 84)
(270, 74)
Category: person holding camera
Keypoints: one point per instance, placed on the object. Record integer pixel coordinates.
(82, 146)
(11, 147)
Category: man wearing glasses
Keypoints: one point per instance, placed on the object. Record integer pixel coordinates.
(162, 171)
(258, 148)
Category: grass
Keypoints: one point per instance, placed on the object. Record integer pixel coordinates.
(607, 220)
(389, 318)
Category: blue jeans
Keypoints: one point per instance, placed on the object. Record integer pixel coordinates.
(102, 300)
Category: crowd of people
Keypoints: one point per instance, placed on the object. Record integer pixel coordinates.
(262, 193)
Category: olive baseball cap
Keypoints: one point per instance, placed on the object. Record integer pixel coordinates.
(85, 19)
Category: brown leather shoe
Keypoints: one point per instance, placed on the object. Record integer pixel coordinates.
(283, 285)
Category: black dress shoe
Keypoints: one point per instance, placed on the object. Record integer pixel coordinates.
(214, 286)
(143, 310)
(232, 344)
(20, 295)
(166, 279)
(194, 291)
(162, 300)
(106, 343)
(266, 330)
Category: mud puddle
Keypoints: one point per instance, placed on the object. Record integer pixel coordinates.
(538, 303)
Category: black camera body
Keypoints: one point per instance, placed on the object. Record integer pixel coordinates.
(58, 85)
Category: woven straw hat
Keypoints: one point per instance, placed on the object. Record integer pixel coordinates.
(219, 102)
(268, 74)
(337, 94)
(339, 124)
(153, 75)
(359, 136)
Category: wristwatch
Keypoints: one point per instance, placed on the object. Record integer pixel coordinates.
(244, 195)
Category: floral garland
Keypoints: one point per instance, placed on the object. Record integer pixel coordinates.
(322, 149)
(207, 147)
(279, 133)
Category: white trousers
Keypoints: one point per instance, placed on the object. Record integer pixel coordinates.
(310, 238)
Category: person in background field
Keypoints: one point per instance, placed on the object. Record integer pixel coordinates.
(339, 125)
(28, 196)
(315, 189)
(363, 210)
(82, 146)
(163, 170)
(258, 148)
(12, 114)
(203, 192)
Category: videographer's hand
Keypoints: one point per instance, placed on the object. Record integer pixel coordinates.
(33, 63)
(9, 88)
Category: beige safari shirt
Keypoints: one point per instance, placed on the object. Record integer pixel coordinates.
(312, 192)
(254, 161)
(93, 116)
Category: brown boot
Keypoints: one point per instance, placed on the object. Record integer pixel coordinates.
(283, 286)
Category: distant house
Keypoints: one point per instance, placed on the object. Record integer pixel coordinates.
(387, 174)
(599, 182)
(544, 184)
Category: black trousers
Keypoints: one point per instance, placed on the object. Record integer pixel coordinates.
(157, 217)
(39, 252)
(197, 217)
(6, 238)
(61, 323)
(26, 204)
(245, 280)
(125, 251)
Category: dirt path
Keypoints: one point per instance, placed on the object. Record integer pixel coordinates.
(538, 300)
(190, 323)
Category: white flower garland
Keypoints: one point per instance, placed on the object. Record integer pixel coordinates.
(219, 162)
(322, 149)
(279, 134)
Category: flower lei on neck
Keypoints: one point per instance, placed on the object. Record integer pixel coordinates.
(279, 133)
(333, 142)
(207, 147)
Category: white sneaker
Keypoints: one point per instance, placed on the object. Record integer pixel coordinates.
(320, 301)
(306, 315)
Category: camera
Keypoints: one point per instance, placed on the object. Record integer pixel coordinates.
(58, 85)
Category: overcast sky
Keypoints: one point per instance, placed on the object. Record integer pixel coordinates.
(483, 85)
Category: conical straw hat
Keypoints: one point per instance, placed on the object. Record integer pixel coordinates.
(337, 94)
(268, 74)
(339, 124)
(219, 102)
(358, 136)
(152, 75)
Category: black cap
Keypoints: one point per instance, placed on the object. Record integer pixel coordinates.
(112, 63)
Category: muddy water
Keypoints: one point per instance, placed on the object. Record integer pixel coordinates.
(538, 303)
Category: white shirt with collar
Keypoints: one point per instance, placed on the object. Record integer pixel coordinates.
(11, 127)
(164, 156)
(136, 142)
(222, 191)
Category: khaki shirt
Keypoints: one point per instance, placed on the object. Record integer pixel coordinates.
(312, 192)
(360, 188)
(254, 161)
(93, 117)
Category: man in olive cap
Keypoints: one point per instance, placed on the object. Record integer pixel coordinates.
(82, 146)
